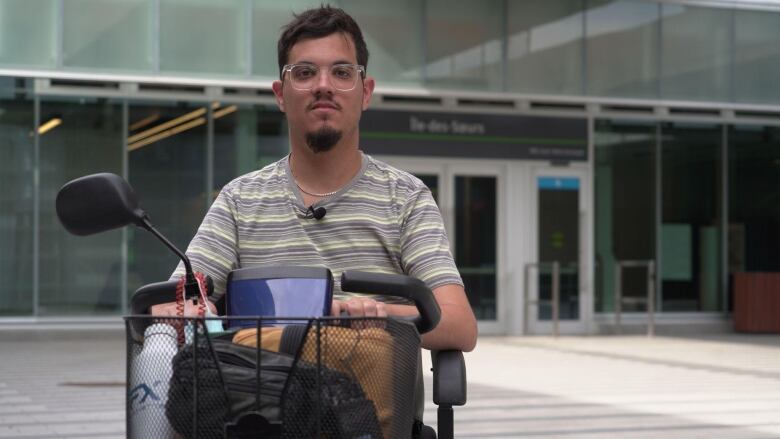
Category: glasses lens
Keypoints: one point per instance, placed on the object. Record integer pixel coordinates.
(343, 76)
(303, 76)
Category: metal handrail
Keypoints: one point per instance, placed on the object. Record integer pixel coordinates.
(650, 299)
(556, 293)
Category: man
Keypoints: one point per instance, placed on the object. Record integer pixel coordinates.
(376, 217)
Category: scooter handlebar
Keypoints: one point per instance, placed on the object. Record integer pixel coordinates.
(397, 285)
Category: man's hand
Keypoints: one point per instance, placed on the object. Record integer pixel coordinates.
(170, 309)
(358, 307)
(457, 328)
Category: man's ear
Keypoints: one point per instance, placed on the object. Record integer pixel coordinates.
(368, 91)
(278, 87)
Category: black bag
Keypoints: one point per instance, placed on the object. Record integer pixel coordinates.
(226, 386)
(288, 406)
(343, 411)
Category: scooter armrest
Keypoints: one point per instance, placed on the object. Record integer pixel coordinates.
(449, 377)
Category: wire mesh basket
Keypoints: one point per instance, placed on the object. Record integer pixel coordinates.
(330, 377)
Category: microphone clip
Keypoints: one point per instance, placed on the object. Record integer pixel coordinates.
(318, 213)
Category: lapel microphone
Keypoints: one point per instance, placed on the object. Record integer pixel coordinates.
(318, 213)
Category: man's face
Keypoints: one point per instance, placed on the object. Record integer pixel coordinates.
(323, 113)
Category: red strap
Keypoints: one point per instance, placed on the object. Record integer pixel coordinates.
(201, 279)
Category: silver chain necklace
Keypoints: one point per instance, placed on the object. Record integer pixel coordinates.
(313, 194)
(326, 194)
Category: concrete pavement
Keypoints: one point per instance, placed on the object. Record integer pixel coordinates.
(62, 384)
(69, 384)
(725, 386)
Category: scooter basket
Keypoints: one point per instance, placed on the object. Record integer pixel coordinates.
(332, 377)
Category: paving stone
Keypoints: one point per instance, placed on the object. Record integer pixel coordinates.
(69, 385)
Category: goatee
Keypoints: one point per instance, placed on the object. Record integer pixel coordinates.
(323, 140)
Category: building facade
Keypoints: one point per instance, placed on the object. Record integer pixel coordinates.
(604, 152)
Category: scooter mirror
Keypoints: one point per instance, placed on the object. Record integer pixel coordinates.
(96, 203)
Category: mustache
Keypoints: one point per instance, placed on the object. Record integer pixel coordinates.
(323, 100)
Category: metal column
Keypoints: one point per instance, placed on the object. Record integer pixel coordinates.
(556, 294)
(649, 300)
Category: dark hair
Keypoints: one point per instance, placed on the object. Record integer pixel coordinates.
(317, 23)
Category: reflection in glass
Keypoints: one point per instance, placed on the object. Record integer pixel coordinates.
(16, 198)
(622, 41)
(544, 47)
(754, 200)
(756, 56)
(28, 33)
(475, 241)
(203, 37)
(246, 138)
(167, 165)
(695, 52)
(78, 275)
(463, 44)
(690, 269)
(108, 34)
(625, 209)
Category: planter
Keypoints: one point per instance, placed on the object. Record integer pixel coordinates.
(757, 302)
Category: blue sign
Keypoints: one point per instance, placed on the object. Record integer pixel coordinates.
(559, 183)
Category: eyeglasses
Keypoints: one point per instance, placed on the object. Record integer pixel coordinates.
(343, 77)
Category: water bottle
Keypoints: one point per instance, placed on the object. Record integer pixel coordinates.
(150, 377)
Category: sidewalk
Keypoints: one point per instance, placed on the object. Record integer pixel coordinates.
(70, 384)
(623, 387)
(62, 384)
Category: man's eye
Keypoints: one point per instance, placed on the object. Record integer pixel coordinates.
(304, 72)
(343, 72)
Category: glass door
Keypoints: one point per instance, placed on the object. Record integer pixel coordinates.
(475, 239)
(555, 279)
(469, 197)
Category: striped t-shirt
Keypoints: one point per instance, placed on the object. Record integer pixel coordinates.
(384, 220)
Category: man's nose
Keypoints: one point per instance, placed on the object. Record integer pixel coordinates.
(322, 83)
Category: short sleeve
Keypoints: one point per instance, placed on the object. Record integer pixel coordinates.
(425, 249)
(214, 249)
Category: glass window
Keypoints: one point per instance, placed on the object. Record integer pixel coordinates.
(16, 198)
(475, 241)
(78, 274)
(246, 138)
(754, 200)
(695, 52)
(203, 37)
(167, 157)
(690, 269)
(622, 48)
(757, 56)
(544, 47)
(28, 33)
(114, 34)
(625, 208)
(268, 18)
(464, 44)
(395, 57)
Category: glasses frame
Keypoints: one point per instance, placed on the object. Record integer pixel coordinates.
(361, 70)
